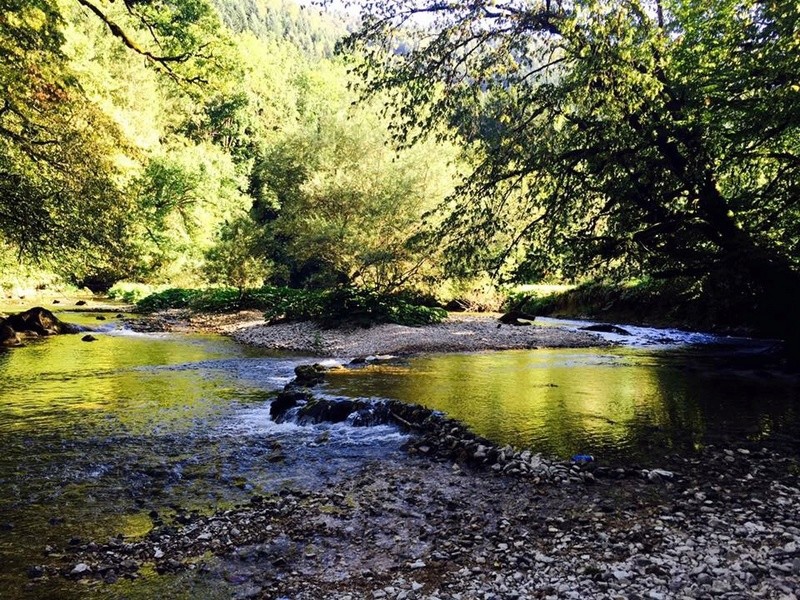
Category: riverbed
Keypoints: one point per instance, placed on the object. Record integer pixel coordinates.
(112, 437)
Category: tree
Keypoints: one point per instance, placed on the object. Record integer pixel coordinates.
(337, 203)
(64, 160)
(636, 135)
(237, 257)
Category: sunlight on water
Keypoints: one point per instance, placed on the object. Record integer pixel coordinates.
(622, 402)
(96, 435)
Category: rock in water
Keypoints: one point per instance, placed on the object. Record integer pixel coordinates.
(39, 321)
(88, 338)
(8, 337)
(517, 318)
(309, 375)
(606, 328)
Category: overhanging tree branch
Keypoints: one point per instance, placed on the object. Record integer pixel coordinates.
(164, 62)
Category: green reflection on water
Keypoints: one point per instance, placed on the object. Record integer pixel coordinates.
(620, 402)
(77, 419)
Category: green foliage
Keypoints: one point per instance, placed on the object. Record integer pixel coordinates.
(184, 197)
(351, 306)
(129, 291)
(170, 298)
(234, 259)
(312, 31)
(715, 302)
(136, 136)
(65, 158)
(331, 308)
(620, 137)
(337, 204)
(348, 305)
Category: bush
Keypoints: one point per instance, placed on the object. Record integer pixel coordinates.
(127, 291)
(363, 307)
(719, 302)
(171, 298)
(330, 308)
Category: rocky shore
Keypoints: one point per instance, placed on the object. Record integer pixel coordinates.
(459, 333)
(434, 529)
(459, 518)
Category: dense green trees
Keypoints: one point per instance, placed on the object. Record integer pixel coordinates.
(337, 203)
(194, 142)
(149, 141)
(67, 151)
(634, 136)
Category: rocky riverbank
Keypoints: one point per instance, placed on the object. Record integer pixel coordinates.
(460, 518)
(725, 525)
(459, 333)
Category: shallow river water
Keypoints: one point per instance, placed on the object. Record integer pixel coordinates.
(95, 436)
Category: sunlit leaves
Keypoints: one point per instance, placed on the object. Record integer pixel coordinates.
(638, 135)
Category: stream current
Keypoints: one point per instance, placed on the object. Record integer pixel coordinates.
(97, 436)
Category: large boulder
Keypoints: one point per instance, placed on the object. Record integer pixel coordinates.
(36, 321)
(286, 400)
(39, 321)
(328, 411)
(309, 375)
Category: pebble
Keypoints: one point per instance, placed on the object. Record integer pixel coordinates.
(702, 533)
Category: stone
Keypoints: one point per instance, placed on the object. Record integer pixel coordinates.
(35, 572)
(606, 328)
(704, 579)
(80, 569)
(8, 337)
(309, 375)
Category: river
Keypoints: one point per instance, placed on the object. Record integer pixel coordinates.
(100, 438)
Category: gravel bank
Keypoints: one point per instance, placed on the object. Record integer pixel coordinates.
(460, 333)
(724, 526)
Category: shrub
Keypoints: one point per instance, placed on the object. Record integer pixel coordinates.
(330, 308)
(364, 307)
(171, 298)
(128, 291)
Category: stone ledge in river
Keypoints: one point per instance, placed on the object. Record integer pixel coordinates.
(36, 322)
(435, 435)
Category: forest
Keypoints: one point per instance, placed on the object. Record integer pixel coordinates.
(402, 299)
(647, 152)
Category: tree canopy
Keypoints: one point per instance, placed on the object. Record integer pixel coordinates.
(159, 141)
(633, 135)
(200, 141)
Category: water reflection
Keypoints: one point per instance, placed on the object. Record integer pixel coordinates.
(96, 435)
(623, 403)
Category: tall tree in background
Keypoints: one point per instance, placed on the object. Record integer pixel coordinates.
(62, 156)
(633, 135)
